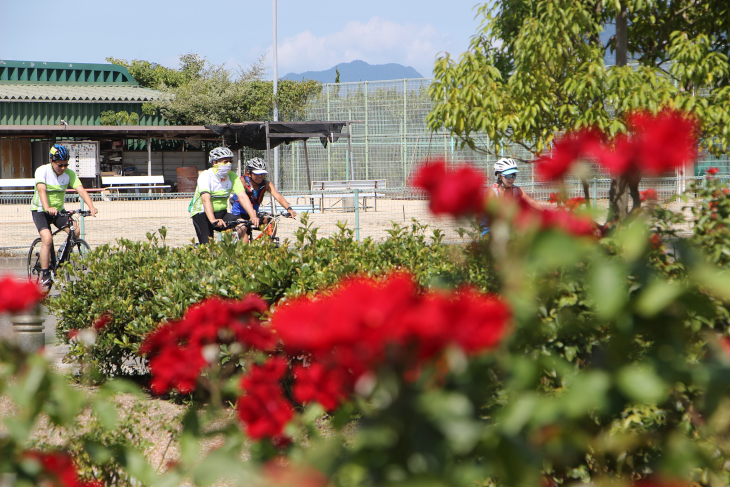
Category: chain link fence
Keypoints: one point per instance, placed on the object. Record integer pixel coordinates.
(391, 137)
(388, 142)
(367, 214)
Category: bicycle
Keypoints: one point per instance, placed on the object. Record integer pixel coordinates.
(269, 230)
(72, 245)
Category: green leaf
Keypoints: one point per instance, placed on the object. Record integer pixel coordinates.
(641, 383)
(656, 296)
(634, 240)
(555, 249)
(106, 412)
(518, 413)
(587, 392)
(716, 281)
(608, 285)
(137, 466)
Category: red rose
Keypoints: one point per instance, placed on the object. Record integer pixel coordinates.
(18, 294)
(567, 150)
(453, 191)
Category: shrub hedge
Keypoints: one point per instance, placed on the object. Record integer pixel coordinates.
(140, 284)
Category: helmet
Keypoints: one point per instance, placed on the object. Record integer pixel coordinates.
(505, 166)
(220, 153)
(256, 166)
(59, 153)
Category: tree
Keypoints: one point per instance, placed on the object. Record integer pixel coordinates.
(152, 75)
(203, 93)
(536, 70)
(110, 117)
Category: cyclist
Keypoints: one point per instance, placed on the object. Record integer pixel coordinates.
(51, 181)
(256, 186)
(506, 172)
(209, 207)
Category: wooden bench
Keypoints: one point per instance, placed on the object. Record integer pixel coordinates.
(328, 190)
(116, 183)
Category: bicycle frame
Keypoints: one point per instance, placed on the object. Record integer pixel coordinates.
(55, 261)
(70, 241)
(269, 230)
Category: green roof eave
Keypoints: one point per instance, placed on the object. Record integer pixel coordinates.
(83, 93)
(33, 72)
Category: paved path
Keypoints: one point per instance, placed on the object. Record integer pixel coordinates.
(54, 350)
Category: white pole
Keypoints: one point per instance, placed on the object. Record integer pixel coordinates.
(149, 160)
(149, 156)
(276, 105)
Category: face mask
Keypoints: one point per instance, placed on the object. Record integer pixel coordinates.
(222, 170)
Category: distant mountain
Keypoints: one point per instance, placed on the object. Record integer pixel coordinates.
(358, 71)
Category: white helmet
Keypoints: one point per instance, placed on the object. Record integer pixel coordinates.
(220, 153)
(256, 166)
(505, 165)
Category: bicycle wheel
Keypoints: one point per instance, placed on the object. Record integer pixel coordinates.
(75, 260)
(34, 261)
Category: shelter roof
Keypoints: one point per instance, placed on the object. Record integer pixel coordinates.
(237, 135)
(78, 93)
(253, 134)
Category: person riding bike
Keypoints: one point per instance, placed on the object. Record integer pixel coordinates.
(51, 181)
(256, 186)
(209, 206)
(506, 172)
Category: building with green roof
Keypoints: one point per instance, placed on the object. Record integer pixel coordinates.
(38, 93)
(44, 102)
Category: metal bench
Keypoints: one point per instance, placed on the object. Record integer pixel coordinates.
(328, 190)
(24, 183)
(133, 182)
(150, 183)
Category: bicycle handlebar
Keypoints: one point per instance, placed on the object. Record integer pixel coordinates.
(74, 212)
(235, 223)
(262, 214)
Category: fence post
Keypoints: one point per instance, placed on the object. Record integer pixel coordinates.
(82, 229)
(404, 148)
(357, 214)
(367, 134)
(595, 193)
(329, 151)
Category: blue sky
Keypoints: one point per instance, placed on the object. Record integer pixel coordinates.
(311, 35)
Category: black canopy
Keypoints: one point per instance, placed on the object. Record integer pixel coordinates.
(253, 134)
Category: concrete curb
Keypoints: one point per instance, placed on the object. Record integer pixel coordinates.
(16, 264)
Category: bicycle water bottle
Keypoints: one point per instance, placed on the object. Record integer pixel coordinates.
(60, 249)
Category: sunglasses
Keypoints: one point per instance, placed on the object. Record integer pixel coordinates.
(509, 176)
(62, 165)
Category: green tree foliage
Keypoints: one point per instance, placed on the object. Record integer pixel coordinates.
(152, 75)
(202, 93)
(536, 69)
(110, 117)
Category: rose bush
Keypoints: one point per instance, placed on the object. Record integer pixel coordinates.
(573, 357)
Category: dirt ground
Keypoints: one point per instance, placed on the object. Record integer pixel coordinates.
(135, 219)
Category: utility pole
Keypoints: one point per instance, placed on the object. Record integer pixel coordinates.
(276, 105)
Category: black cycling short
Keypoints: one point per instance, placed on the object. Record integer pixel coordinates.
(43, 220)
(204, 229)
